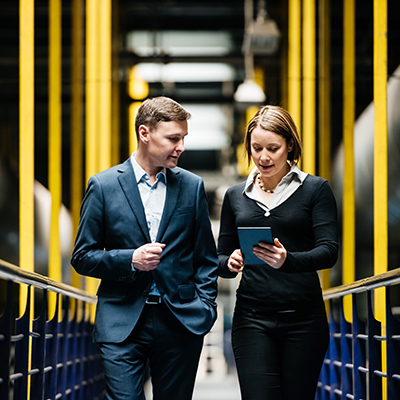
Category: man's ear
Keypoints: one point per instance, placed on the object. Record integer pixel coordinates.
(144, 133)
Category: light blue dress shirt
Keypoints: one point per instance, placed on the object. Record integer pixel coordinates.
(153, 199)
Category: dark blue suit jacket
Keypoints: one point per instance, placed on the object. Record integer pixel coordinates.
(113, 225)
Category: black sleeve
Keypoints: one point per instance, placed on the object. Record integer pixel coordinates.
(325, 231)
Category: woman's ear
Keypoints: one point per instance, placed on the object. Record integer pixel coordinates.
(290, 145)
(144, 133)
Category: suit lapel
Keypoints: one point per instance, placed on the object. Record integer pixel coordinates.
(129, 186)
(173, 189)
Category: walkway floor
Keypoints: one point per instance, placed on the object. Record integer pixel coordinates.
(211, 388)
(217, 388)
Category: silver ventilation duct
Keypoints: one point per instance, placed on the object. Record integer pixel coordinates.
(364, 174)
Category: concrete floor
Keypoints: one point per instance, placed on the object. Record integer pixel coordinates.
(211, 388)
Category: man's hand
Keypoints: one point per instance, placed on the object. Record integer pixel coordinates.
(147, 257)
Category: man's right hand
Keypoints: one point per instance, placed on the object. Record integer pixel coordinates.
(147, 257)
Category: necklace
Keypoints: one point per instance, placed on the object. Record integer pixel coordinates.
(261, 185)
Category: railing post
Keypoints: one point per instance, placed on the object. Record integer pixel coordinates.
(21, 338)
(38, 350)
(346, 353)
(374, 352)
(359, 354)
(52, 354)
(334, 352)
(5, 341)
(393, 350)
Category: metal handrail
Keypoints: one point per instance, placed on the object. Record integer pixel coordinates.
(362, 285)
(12, 272)
(363, 351)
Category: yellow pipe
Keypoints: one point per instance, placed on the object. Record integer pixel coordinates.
(294, 61)
(54, 143)
(92, 92)
(104, 33)
(26, 155)
(380, 146)
(76, 120)
(309, 106)
(115, 104)
(349, 231)
(324, 104)
(133, 109)
(26, 140)
(26, 132)
(380, 167)
(324, 86)
(92, 114)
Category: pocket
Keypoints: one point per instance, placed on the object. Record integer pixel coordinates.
(183, 210)
(187, 292)
(112, 289)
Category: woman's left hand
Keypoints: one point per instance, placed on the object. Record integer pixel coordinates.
(273, 254)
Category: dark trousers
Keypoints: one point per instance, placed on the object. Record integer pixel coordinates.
(171, 351)
(279, 355)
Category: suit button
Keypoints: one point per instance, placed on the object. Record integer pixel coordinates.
(145, 293)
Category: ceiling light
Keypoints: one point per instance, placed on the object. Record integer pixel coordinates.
(249, 92)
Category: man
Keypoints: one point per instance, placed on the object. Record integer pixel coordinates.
(145, 232)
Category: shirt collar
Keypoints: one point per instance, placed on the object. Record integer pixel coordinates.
(294, 173)
(140, 173)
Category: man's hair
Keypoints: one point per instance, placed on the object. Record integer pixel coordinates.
(277, 120)
(159, 109)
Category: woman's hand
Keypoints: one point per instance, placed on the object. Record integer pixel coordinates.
(273, 254)
(236, 262)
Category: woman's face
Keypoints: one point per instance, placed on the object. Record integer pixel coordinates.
(269, 152)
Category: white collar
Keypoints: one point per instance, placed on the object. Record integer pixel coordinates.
(140, 172)
(294, 173)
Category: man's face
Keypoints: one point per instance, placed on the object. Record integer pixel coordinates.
(165, 143)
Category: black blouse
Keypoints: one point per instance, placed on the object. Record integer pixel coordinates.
(306, 225)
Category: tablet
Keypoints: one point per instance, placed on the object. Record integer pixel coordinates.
(251, 236)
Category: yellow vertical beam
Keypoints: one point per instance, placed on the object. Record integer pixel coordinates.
(133, 109)
(92, 104)
(284, 77)
(324, 104)
(294, 61)
(92, 90)
(380, 166)
(26, 140)
(324, 87)
(380, 145)
(54, 142)
(76, 119)
(349, 231)
(26, 152)
(115, 104)
(309, 103)
(105, 83)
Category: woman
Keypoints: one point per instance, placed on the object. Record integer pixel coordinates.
(280, 330)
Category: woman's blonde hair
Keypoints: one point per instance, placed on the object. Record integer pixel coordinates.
(277, 120)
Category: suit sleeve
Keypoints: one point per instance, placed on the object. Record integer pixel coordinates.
(228, 240)
(89, 256)
(205, 257)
